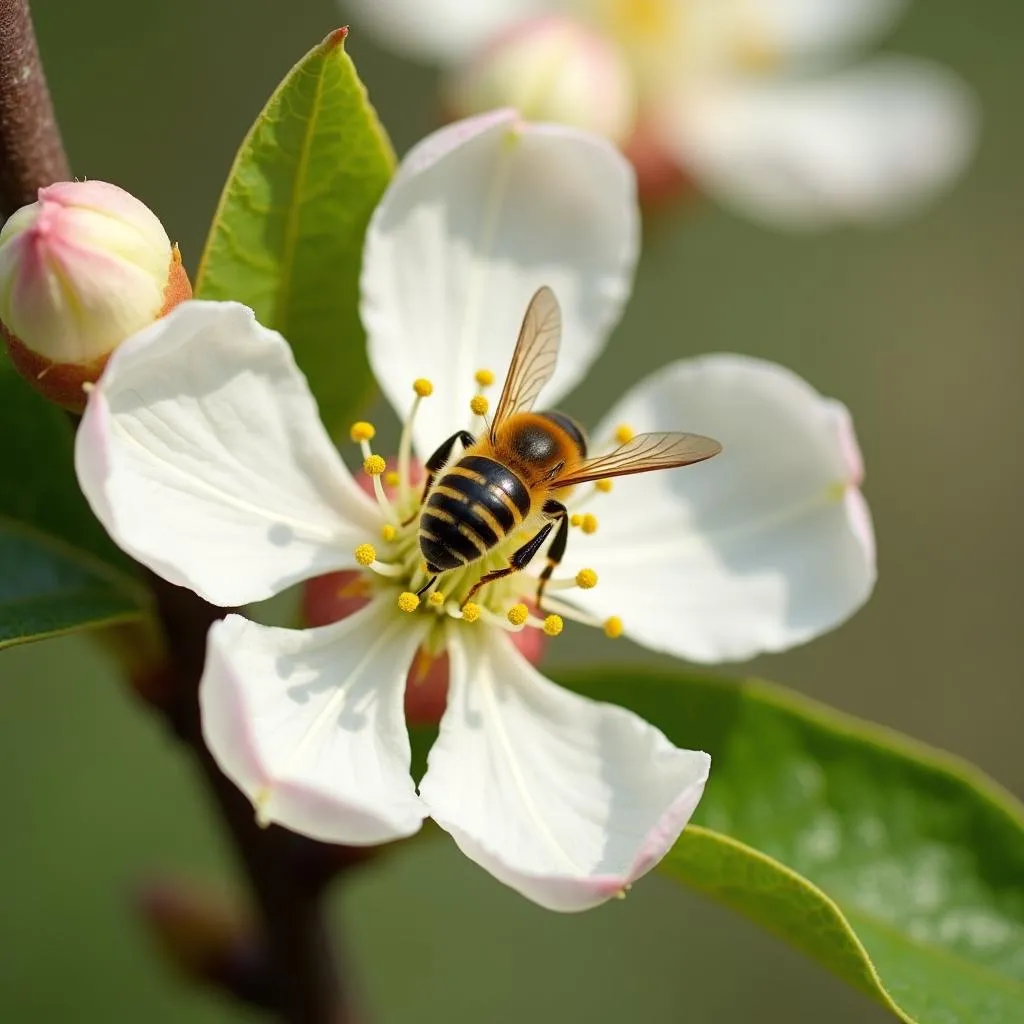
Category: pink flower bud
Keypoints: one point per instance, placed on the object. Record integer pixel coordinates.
(550, 69)
(81, 270)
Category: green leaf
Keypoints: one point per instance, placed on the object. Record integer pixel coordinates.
(899, 868)
(58, 569)
(287, 238)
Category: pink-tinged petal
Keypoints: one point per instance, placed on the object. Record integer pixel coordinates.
(566, 800)
(866, 144)
(442, 31)
(765, 546)
(480, 215)
(309, 725)
(202, 454)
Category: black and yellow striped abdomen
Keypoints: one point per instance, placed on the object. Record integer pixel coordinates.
(472, 507)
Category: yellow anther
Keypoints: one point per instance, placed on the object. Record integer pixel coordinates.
(374, 465)
(624, 433)
(436, 599)
(423, 387)
(362, 431)
(586, 579)
(517, 614)
(604, 486)
(366, 554)
(485, 379)
(576, 519)
(470, 612)
(613, 627)
(553, 625)
(423, 567)
(479, 405)
(388, 532)
(391, 478)
(589, 524)
(408, 601)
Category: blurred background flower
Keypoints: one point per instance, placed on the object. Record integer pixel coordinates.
(750, 99)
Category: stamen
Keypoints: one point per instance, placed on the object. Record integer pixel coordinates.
(388, 533)
(366, 556)
(391, 478)
(373, 466)
(479, 405)
(604, 486)
(576, 519)
(567, 611)
(423, 389)
(408, 601)
(553, 625)
(518, 614)
(436, 599)
(585, 579)
(362, 431)
(470, 612)
(484, 378)
(589, 524)
(613, 627)
(624, 433)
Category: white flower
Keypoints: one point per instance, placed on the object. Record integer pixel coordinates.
(202, 453)
(739, 94)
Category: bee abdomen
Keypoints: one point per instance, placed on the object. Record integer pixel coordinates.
(471, 508)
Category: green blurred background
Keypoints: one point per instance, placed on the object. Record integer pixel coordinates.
(918, 329)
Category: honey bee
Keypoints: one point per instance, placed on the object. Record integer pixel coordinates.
(517, 469)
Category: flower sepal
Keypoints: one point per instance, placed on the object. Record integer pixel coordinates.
(82, 269)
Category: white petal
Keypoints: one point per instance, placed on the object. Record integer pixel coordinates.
(565, 800)
(480, 215)
(309, 723)
(765, 546)
(443, 30)
(806, 27)
(866, 144)
(202, 453)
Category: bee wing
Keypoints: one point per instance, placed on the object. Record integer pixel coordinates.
(534, 359)
(643, 453)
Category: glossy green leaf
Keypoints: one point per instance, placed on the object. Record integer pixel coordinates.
(287, 237)
(897, 867)
(58, 570)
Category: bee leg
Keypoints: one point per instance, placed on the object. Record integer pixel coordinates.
(556, 510)
(426, 586)
(436, 463)
(518, 560)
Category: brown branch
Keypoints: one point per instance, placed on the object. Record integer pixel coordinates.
(286, 872)
(31, 151)
(306, 980)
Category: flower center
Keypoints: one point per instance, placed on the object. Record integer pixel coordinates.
(394, 562)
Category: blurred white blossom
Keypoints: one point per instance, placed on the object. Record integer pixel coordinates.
(755, 101)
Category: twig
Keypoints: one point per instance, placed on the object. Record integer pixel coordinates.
(31, 151)
(304, 969)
